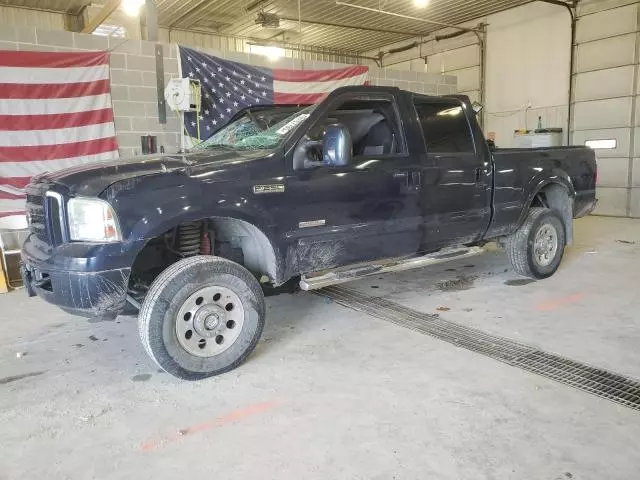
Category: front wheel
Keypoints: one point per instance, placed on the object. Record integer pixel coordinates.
(201, 317)
(536, 249)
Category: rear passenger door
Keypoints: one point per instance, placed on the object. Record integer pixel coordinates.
(456, 189)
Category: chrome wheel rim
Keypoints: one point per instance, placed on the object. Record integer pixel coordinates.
(545, 245)
(209, 321)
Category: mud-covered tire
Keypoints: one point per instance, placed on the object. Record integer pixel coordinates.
(171, 291)
(521, 246)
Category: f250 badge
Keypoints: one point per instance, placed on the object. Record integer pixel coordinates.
(273, 188)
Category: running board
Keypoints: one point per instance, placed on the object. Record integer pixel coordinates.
(341, 276)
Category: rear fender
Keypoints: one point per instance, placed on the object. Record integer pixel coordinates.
(565, 209)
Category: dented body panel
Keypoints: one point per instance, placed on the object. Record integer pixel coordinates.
(309, 220)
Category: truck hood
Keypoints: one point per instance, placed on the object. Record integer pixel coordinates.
(92, 179)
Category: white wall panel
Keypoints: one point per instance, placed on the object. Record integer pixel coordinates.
(635, 202)
(635, 181)
(610, 52)
(612, 201)
(610, 113)
(606, 24)
(611, 82)
(621, 135)
(613, 172)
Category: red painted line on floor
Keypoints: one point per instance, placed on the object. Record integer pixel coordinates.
(553, 304)
(231, 417)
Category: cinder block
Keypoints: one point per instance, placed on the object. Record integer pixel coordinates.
(121, 45)
(416, 87)
(139, 62)
(123, 124)
(145, 125)
(446, 89)
(149, 79)
(149, 48)
(430, 89)
(118, 61)
(611, 201)
(143, 94)
(8, 46)
(129, 140)
(126, 77)
(8, 34)
(127, 152)
(613, 172)
(26, 34)
(635, 202)
(635, 179)
(91, 42)
(31, 47)
(128, 109)
(151, 110)
(119, 92)
(56, 38)
(401, 84)
(170, 65)
(450, 79)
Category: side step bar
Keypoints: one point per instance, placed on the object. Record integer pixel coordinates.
(334, 277)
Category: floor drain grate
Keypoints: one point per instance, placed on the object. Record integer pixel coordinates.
(605, 384)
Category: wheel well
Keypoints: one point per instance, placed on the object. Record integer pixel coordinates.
(557, 198)
(231, 238)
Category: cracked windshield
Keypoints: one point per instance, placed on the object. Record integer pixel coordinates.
(258, 129)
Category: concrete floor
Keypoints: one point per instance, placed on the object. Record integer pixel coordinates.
(331, 393)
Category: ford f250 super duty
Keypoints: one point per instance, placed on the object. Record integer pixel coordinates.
(371, 179)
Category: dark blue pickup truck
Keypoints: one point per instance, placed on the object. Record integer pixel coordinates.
(370, 180)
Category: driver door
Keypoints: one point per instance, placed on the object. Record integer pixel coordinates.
(366, 210)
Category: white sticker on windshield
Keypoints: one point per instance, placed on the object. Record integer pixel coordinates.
(292, 124)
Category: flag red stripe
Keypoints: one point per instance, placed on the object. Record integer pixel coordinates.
(53, 59)
(45, 91)
(285, 75)
(10, 196)
(16, 182)
(49, 122)
(297, 98)
(52, 152)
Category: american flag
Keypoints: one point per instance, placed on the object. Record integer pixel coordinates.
(228, 87)
(55, 112)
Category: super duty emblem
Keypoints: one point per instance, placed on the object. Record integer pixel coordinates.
(273, 188)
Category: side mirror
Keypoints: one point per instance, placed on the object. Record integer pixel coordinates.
(337, 148)
(477, 107)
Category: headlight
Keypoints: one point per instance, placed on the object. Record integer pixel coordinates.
(92, 220)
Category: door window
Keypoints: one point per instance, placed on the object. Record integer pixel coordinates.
(445, 127)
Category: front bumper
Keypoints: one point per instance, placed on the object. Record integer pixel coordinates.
(85, 292)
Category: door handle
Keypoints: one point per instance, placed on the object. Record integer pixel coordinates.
(478, 174)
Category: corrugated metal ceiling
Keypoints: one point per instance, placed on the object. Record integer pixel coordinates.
(357, 30)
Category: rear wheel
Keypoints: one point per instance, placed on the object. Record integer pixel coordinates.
(537, 247)
(201, 317)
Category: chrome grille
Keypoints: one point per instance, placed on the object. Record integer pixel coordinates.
(37, 215)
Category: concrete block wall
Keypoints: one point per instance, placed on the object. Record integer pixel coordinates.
(133, 78)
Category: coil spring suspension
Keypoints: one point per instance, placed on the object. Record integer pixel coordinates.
(189, 238)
